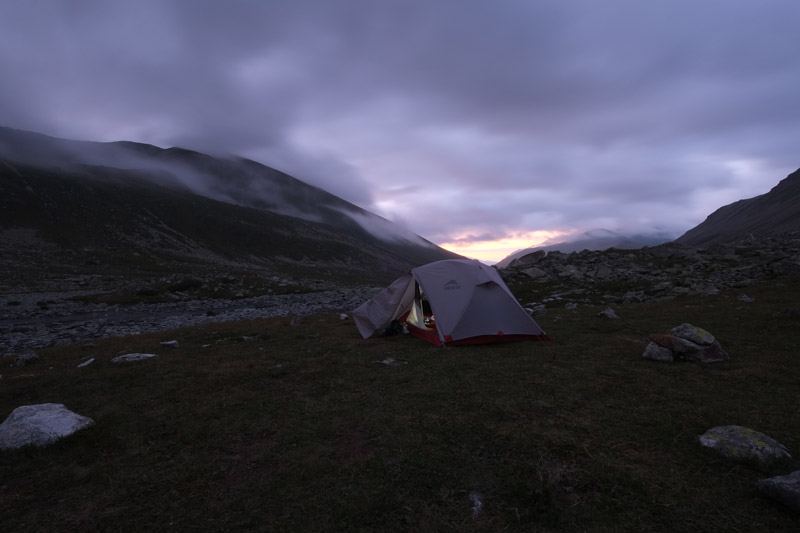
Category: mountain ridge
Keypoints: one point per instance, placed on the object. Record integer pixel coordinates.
(116, 208)
(777, 211)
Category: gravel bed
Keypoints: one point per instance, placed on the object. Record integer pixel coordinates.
(39, 320)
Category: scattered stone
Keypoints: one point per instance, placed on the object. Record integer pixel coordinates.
(537, 310)
(25, 359)
(390, 361)
(127, 358)
(343, 316)
(477, 503)
(39, 425)
(693, 271)
(746, 298)
(608, 313)
(170, 344)
(785, 489)
(571, 306)
(744, 445)
(86, 363)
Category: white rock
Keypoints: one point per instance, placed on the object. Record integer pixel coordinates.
(39, 425)
(128, 357)
(170, 344)
(86, 363)
(608, 313)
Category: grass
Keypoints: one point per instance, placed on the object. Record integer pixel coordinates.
(263, 425)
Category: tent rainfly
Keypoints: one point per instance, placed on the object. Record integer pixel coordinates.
(450, 302)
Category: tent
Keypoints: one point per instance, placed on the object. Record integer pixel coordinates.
(455, 301)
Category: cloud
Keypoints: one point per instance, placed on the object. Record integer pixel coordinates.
(460, 117)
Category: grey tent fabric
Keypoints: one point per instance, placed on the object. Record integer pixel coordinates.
(375, 315)
(467, 298)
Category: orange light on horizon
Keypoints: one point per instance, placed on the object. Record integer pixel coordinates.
(496, 250)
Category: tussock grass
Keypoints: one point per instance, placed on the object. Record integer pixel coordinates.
(263, 425)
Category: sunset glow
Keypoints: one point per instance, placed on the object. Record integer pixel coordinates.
(493, 251)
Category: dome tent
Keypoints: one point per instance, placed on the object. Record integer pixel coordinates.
(455, 301)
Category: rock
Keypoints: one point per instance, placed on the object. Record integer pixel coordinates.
(170, 344)
(709, 354)
(677, 345)
(686, 342)
(24, 359)
(785, 489)
(129, 357)
(746, 298)
(658, 353)
(86, 363)
(692, 333)
(39, 425)
(608, 313)
(343, 316)
(534, 272)
(744, 445)
(571, 306)
(537, 310)
(390, 361)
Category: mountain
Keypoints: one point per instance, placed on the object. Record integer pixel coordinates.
(78, 207)
(596, 239)
(777, 211)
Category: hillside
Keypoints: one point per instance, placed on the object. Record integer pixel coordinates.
(777, 211)
(77, 209)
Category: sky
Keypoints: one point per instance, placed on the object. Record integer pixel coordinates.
(483, 126)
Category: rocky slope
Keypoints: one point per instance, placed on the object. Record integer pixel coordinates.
(656, 273)
(597, 239)
(777, 211)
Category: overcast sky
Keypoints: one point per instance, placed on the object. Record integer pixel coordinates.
(487, 124)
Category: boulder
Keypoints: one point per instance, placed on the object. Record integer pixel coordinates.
(692, 333)
(658, 353)
(688, 343)
(40, 425)
(534, 272)
(744, 445)
(170, 344)
(676, 344)
(713, 353)
(785, 489)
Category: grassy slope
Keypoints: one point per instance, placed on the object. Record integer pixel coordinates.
(301, 429)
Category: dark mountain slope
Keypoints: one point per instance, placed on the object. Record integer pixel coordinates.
(777, 211)
(69, 208)
(226, 178)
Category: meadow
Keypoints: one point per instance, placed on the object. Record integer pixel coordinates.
(279, 425)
